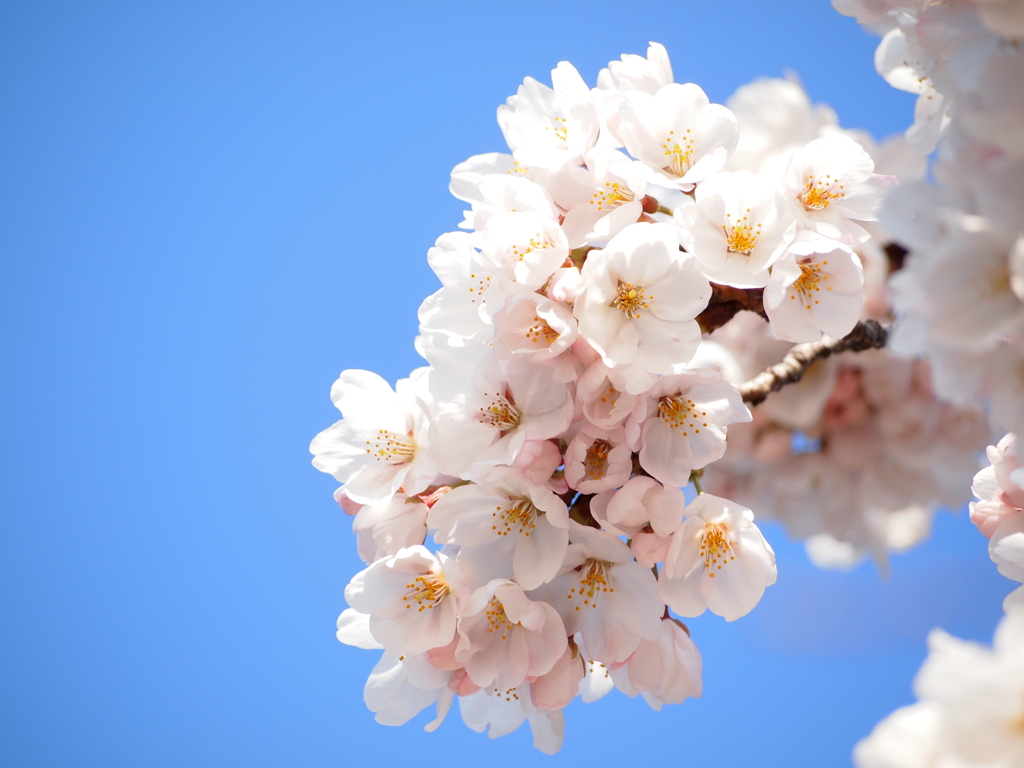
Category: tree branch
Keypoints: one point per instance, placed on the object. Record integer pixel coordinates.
(725, 302)
(867, 334)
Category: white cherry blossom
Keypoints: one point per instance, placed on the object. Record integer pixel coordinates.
(400, 687)
(504, 637)
(833, 184)
(604, 594)
(410, 598)
(544, 126)
(970, 709)
(640, 298)
(533, 327)
(740, 226)
(598, 459)
(381, 443)
(602, 199)
(486, 420)
(815, 288)
(500, 712)
(667, 668)
(678, 133)
(718, 560)
(506, 526)
(685, 428)
(532, 246)
(640, 502)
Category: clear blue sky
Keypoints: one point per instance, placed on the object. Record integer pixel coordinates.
(207, 211)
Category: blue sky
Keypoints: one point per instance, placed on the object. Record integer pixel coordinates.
(207, 210)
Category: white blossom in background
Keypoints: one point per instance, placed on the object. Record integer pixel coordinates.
(970, 709)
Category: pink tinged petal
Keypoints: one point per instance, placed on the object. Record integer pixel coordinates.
(610, 332)
(556, 688)
(680, 294)
(429, 629)
(354, 630)
(465, 515)
(668, 456)
(683, 595)
(390, 696)
(538, 558)
(607, 638)
(650, 548)
(634, 601)
(1006, 547)
(665, 505)
(665, 346)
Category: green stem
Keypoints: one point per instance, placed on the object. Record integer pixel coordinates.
(695, 479)
(663, 209)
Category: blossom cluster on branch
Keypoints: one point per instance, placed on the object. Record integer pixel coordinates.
(573, 472)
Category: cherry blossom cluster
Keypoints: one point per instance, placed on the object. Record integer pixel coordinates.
(529, 504)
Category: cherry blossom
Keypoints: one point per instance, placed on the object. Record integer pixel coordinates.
(380, 444)
(678, 133)
(506, 526)
(505, 637)
(686, 422)
(815, 288)
(410, 598)
(604, 594)
(718, 560)
(547, 126)
(639, 300)
(738, 227)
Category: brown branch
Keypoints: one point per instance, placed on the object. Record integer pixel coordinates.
(725, 302)
(867, 334)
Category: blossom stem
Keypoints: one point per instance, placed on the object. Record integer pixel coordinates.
(695, 477)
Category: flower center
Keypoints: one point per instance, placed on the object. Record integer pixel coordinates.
(611, 395)
(426, 591)
(519, 515)
(715, 548)
(593, 580)
(740, 235)
(541, 331)
(679, 153)
(818, 194)
(677, 411)
(811, 275)
(560, 128)
(483, 282)
(536, 243)
(596, 461)
(612, 196)
(501, 413)
(630, 299)
(391, 447)
(497, 620)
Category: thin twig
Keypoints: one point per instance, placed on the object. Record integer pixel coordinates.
(867, 334)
